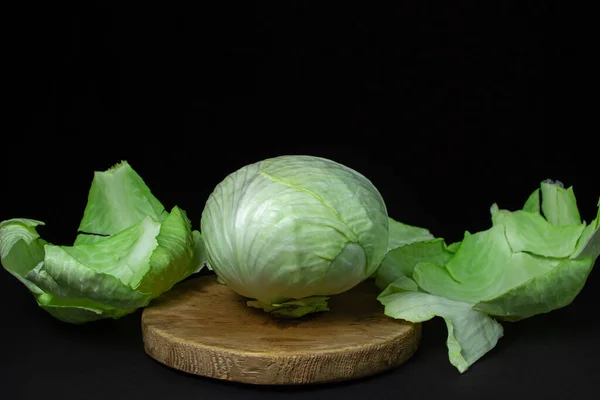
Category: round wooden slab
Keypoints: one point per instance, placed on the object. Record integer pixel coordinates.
(204, 328)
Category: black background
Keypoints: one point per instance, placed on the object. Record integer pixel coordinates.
(447, 108)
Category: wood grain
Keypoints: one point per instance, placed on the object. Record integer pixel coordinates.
(204, 328)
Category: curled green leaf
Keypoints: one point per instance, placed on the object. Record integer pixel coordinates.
(129, 251)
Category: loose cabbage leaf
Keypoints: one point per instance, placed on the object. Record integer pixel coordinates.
(471, 333)
(130, 250)
(532, 233)
(405, 243)
(532, 205)
(403, 234)
(21, 249)
(559, 204)
(86, 238)
(555, 289)
(530, 261)
(483, 268)
(401, 284)
(118, 198)
(589, 243)
(172, 259)
(401, 261)
(77, 310)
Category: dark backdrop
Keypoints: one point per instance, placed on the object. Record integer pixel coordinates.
(446, 108)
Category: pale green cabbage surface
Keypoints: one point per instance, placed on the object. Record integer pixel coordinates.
(289, 228)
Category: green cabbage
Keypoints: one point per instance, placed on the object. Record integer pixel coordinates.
(530, 261)
(129, 251)
(288, 232)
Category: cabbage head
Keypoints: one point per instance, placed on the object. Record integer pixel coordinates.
(290, 231)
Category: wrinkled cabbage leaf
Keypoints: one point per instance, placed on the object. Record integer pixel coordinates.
(129, 250)
(530, 261)
(471, 333)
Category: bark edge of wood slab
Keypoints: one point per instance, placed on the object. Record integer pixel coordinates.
(204, 328)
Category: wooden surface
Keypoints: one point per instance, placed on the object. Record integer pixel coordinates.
(204, 328)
